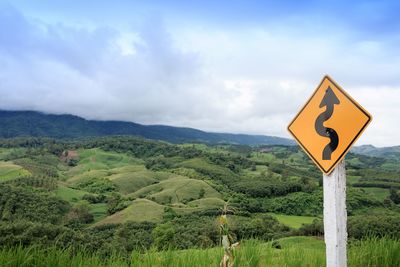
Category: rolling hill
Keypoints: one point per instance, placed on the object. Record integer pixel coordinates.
(133, 194)
(35, 124)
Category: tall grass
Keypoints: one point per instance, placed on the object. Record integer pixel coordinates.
(377, 252)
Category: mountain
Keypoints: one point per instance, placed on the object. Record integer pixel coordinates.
(32, 123)
(372, 151)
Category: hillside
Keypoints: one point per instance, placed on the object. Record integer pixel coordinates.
(36, 124)
(133, 194)
(386, 152)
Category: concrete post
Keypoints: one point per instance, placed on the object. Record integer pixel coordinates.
(335, 216)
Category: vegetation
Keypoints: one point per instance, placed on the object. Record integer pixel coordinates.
(294, 252)
(85, 198)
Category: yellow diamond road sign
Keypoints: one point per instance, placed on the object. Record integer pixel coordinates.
(329, 124)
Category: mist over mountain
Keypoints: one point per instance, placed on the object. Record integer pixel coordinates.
(35, 124)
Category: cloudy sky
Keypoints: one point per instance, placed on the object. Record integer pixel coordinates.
(222, 66)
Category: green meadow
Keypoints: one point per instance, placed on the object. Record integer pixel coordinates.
(294, 252)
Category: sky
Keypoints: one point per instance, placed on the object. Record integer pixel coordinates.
(221, 66)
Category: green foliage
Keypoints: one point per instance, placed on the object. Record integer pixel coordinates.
(133, 236)
(43, 234)
(246, 205)
(47, 183)
(357, 199)
(80, 214)
(115, 203)
(163, 235)
(94, 199)
(159, 163)
(97, 186)
(299, 203)
(20, 203)
(69, 194)
(294, 252)
(378, 184)
(266, 187)
(40, 165)
(10, 171)
(264, 227)
(316, 228)
(183, 187)
(395, 196)
(294, 221)
(72, 162)
(377, 225)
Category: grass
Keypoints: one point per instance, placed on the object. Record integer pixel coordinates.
(312, 243)
(69, 194)
(202, 165)
(379, 193)
(177, 189)
(132, 181)
(264, 157)
(351, 179)
(97, 159)
(294, 221)
(295, 252)
(128, 173)
(9, 171)
(99, 211)
(139, 211)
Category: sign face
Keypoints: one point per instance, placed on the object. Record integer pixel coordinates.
(328, 124)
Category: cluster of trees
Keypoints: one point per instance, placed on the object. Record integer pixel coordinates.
(43, 182)
(360, 226)
(299, 203)
(32, 204)
(266, 187)
(302, 203)
(378, 184)
(97, 186)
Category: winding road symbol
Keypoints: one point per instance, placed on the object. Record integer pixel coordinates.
(329, 100)
(328, 124)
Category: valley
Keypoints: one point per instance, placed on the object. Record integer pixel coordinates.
(133, 194)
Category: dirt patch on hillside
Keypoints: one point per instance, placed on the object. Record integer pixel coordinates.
(68, 155)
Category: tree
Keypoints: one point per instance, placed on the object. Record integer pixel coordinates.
(394, 196)
(202, 192)
(163, 236)
(80, 213)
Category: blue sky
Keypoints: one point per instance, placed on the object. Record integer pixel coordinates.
(231, 66)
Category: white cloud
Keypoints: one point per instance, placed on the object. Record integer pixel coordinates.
(248, 80)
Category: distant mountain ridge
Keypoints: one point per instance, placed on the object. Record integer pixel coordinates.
(38, 124)
(372, 151)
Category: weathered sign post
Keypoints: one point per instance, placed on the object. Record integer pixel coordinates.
(326, 128)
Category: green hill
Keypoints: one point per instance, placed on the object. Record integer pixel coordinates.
(130, 193)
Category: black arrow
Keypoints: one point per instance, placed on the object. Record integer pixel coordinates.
(329, 100)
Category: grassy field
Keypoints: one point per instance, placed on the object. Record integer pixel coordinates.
(153, 190)
(295, 252)
(69, 194)
(379, 193)
(139, 211)
(293, 221)
(99, 211)
(97, 159)
(177, 189)
(9, 171)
